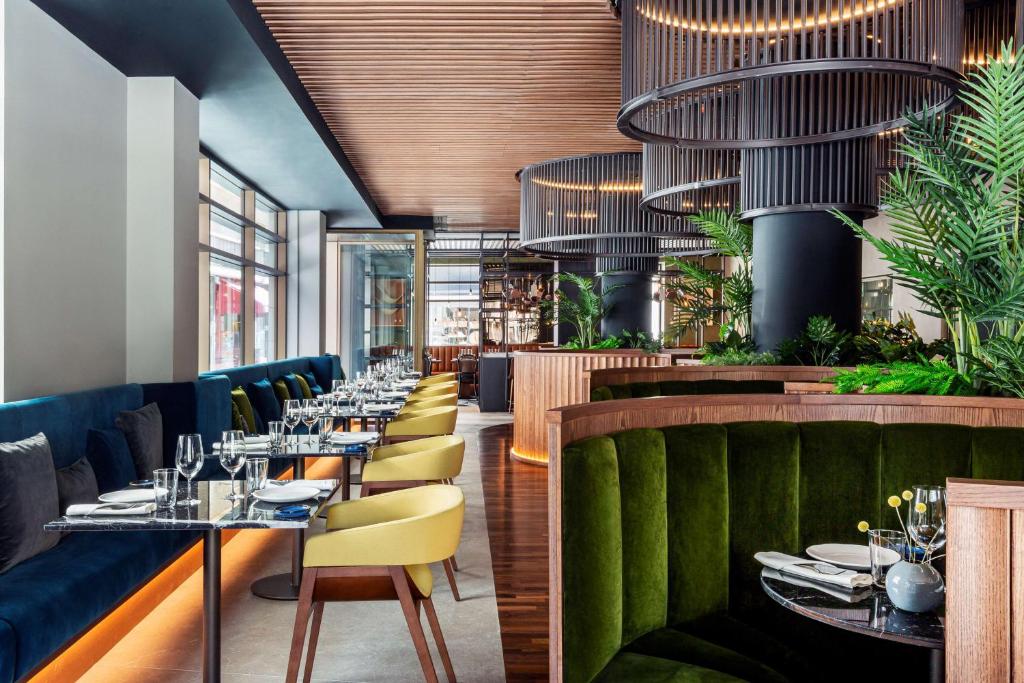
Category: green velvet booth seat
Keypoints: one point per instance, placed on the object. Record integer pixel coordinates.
(686, 388)
(660, 526)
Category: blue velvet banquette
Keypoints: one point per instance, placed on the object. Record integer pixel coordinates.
(50, 599)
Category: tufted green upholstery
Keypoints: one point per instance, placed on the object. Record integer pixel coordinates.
(659, 529)
(686, 388)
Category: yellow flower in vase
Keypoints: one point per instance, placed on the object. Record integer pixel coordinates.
(863, 527)
(894, 501)
(907, 496)
(920, 507)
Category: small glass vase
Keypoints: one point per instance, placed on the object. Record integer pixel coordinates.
(915, 587)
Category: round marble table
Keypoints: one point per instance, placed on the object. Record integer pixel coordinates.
(868, 611)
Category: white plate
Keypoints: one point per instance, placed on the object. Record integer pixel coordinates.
(346, 438)
(290, 493)
(842, 555)
(382, 407)
(130, 496)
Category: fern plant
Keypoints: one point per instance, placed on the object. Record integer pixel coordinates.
(999, 365)
(583, 313)
(694, 292)
(956, 211)
(935, 378)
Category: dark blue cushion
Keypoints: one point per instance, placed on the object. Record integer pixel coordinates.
(294, 390)
(111, 460)
(8, 650)
(314, 386)
(264, 400)
(51, 598)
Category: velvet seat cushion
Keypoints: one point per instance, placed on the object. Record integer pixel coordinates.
(143, 430)
(240, 401)
(110, 458)
(50, 598)
(294, 388)
(264, 400)
(29, 500)
(282, 391)
(633, 667)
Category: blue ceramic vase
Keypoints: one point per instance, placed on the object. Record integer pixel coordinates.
(915, 587)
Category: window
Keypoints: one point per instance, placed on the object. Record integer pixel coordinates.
(243, 238)
(225, 314)
(265, 316)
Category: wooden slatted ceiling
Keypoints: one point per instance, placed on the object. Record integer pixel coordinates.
(439, 102)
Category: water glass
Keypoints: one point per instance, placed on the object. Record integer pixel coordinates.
(337, 385)
(325, 428)
(885, 547)
(165, 487)
(275, 430)
(928, 528)
(188, 458)
(256, 470)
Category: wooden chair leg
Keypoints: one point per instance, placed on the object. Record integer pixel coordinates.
(419, 639)
(314, 636)
(302, 610)
(451, 578)
(455, 565)
(435, 628)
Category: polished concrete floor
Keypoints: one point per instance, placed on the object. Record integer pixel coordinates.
(358, 641)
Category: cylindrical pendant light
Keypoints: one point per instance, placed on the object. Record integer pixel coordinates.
(753, 73)
(681, 181)
(589, 206)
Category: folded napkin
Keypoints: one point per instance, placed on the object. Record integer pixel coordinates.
(839, 593)
(251, 442)
(382, 407)
(813, 570)
(322, 484)
(345, 438)
(110, 509)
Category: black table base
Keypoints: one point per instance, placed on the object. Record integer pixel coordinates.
(211, 606)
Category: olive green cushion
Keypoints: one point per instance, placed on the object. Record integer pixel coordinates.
(686, 388)
(660, 527)
(303, 386)
(600, 394)
(670, 643)
(621, 390)
(631, 667)
(240, 400)
(281, 391)
(237, 421)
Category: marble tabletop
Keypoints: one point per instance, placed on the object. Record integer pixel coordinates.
(867, 610)
(298, 446)
(214, 511)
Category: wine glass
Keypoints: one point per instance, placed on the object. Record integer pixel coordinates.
(232, 456)
(336, 386)
(292, 415)
(349, 390)
(188, 458)
(310, 413)
(928, 527)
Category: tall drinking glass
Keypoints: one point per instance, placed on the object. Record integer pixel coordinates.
(325, 428)
(885, 548)
(165, 487)
(928, 527)
(188, 458)
(310, 414)
(232, 457)
(275, 430)
(256, 470)
(292, 415)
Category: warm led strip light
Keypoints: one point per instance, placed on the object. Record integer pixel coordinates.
(748, 29)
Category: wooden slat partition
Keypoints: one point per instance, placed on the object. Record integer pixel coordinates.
(574, 422)
(693, 373)
(985, 581)
(549, 379)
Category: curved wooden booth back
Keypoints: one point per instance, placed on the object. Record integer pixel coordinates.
(696, 373)
(554, 378)
(985, 609)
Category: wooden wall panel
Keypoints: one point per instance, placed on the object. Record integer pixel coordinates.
(692, 373)
(439, 102)
(549, 379)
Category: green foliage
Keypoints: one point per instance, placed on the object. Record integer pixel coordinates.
(955, 213)
(584, 313)
(935, 378)
(694, 292)
(820, 344)
(735, 357)
(999, 366)
(611, 342)
(641, 340)
(881, 341)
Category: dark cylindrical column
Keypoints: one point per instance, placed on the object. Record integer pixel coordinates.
(805, 263)
(629, 306)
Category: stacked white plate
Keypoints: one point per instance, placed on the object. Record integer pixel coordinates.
(288, 493)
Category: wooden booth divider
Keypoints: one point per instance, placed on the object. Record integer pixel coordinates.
(986, 528)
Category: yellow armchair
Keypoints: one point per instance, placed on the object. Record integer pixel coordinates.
(430, 402)
(378, 548)
(435, 390)
(419, 423)
(439, 378)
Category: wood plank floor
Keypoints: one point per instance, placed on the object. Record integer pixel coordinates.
(515, 496)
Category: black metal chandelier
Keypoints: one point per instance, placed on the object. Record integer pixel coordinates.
(755, 73)
(589, 206)
(681, 181)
